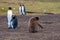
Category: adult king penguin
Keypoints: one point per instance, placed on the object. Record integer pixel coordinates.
(9, 17)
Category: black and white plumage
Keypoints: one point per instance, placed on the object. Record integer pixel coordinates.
(14, 22)
(9, 16)
(22, 10)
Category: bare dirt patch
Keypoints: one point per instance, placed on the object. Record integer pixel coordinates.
(51, 31)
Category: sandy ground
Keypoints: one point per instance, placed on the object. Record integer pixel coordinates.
(51, 31)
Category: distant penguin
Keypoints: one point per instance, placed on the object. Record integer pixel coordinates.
(22, 10)
(9, 16)
(14, 22)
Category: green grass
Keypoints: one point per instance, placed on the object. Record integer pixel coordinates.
(33, 6)
(49, 7)
(33, 0)
(44, 0)
(44, 7)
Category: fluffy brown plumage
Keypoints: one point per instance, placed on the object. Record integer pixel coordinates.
(33, 24)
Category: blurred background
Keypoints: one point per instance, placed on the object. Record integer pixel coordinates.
(31, 6)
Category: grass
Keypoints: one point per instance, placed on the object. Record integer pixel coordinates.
(47, 0)
(33, 6)
(44, 7)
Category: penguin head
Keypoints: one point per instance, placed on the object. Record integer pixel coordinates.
(13, 16)
(10, 8)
